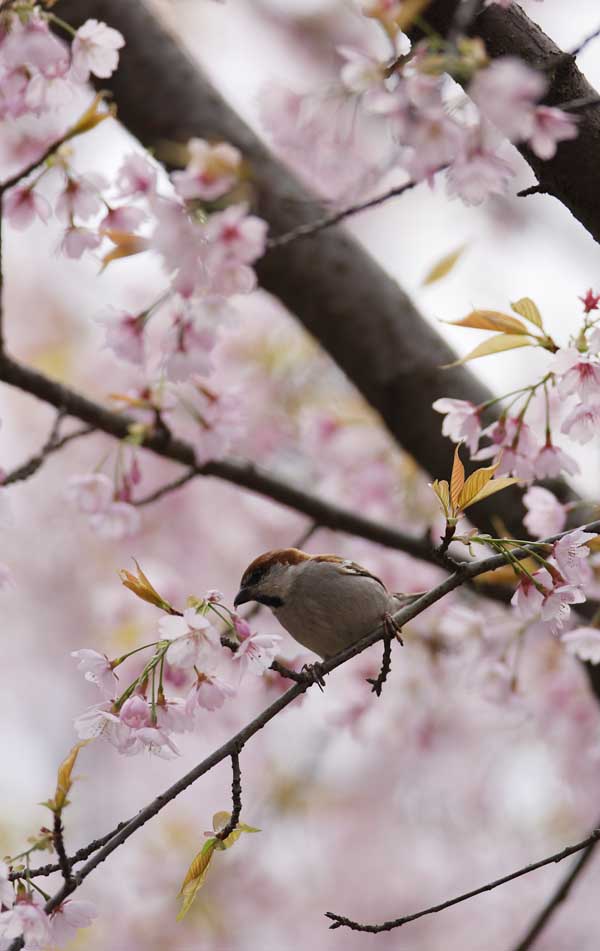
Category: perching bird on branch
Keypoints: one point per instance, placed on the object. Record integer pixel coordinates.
(325, 602)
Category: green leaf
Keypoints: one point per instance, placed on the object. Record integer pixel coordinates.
(443, 266)
(494, 345)
(490, 320)
(196, 875)
(528, 309)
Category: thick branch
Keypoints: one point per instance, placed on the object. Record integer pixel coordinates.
(334, 287)
(572, 175)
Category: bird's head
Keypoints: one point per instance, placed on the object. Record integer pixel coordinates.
(269, 578)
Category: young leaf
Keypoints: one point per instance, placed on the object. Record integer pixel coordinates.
(457, 479)
(196, 876)
(476, 481)
(527, 309)
(496, 485)
(490, 320)
(442, 490)
(443, 266)
(494, 345)
(234, 836)
(64, 780)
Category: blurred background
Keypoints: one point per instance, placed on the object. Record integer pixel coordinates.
(372, 808)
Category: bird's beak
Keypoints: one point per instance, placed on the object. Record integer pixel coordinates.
(243, 595)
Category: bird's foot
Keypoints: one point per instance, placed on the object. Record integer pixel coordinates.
(314, 674)
(392, 630)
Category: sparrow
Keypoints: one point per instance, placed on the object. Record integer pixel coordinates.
(325, 602)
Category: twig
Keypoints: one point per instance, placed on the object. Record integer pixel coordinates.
(168, 488)
(327, 221)
(340, 922)
(52, 444)
(401, 617)
(588, 39)
(236, 796)
(59, 847)
(80, 856)
(532, 190)
(561, 893)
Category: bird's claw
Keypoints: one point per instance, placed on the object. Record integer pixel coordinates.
(392, 630)
(314, 674)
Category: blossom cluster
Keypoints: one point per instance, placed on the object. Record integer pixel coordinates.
(408, 96)
(552, 589)
(571, 393)
(24, 915)
(190, 656)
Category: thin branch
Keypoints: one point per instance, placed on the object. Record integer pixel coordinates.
(588, 39)
(80, 856)
(168, 488)
(340, 922)
(240, 739)
(560, 895)
(59, 847)
(243, 474)
(52, 444)
(327, 221)
(236, 796)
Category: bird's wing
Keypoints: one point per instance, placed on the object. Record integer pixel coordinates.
(348, 567)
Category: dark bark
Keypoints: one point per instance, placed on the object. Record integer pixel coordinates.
(329, 282)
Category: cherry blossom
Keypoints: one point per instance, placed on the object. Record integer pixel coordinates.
(545, 514)
(570, 553)
(77, 240)
(506, 93)
(211, 172)
(23, 204)
(550, 126)
(97, 669)
(519, 448)
(462, 421)
(551, 461)
(136, 177)
(528, 598)
(90, 493)
(189, 345)
(578, 373)
(582, 423)
(81, 197)
(194, 642)
(360, 72)
(28, 918)
(236, 237)
(68, 918)
(556, 607)
(477, 171)
(256, 652)
(94, 50)
(208, 693)
(584, 643)
(135, 712)
(124, 335)
(117, 520)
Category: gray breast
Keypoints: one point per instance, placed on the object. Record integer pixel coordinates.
(328, 623)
